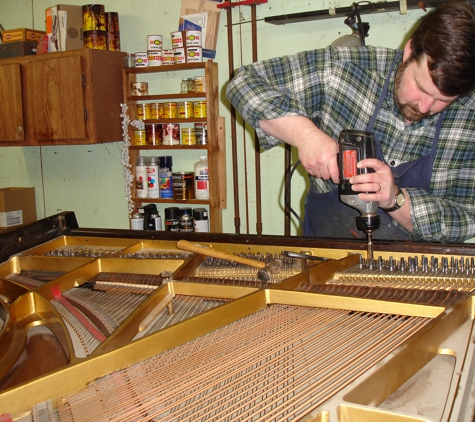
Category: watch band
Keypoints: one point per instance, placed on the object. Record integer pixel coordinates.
(398, 202)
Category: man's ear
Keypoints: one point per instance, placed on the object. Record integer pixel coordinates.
(407, 50)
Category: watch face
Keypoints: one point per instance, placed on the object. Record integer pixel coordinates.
(400, 199)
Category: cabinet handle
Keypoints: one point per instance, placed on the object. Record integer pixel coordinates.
(85, 113)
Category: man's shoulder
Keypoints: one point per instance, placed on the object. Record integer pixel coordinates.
(374, 59)
(467, 101)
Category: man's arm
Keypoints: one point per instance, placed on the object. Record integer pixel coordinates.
(317, 151)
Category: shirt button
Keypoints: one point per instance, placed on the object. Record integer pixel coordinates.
(392, 163)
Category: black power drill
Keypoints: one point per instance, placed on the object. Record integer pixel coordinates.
(356, 145)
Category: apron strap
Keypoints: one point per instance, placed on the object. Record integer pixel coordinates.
(382, 96)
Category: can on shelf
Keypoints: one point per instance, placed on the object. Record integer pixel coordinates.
(201, 133)
(155, 58)
(95, 40)
(193, 39)
(136, 221)
(113, 41)
(143, 111)
(179, 55)
(139, 88)
(94, 17)
(154, 42)
(112, 21)
(178, 39)
(194, 54)
(170, 110)
(199, 109)
(183, 185)
(188, 136)
(170, 134)
(168, 58)
(140, 137)
(153, 132)
(199, 84)
(185, 110)
(141, 59)
(156, 111)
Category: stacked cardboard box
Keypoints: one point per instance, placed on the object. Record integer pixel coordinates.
(64, 27)
(17, 207)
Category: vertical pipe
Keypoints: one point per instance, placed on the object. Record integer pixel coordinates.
(256, 140)
(237, 219)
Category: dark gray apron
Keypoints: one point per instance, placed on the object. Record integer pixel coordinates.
(326, 216)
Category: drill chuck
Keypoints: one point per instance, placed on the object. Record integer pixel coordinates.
(368, 223)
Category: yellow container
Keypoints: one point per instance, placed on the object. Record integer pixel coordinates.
(140, 137)
(188, 136)
(185, 110)
(199, 109)
(156, 111)
(170, 111)
(143, 111)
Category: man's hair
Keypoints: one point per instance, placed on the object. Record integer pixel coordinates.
(447, 37)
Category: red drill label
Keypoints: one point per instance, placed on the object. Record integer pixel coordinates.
(350, 158)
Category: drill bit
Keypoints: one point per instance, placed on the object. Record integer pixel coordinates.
(369, 237)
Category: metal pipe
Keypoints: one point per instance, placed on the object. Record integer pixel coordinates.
(257, 155)
(237, 219)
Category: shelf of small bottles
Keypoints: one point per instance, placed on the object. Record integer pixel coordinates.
(171, 201)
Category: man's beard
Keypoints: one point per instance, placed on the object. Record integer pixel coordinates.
(409, 111)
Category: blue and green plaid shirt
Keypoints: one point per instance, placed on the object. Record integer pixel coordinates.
(338, 88)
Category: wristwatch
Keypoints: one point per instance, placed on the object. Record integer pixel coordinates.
(399, 201)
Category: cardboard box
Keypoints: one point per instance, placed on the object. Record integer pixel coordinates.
(17, 207)
(21, 34)
(64, 27)
(18, 49)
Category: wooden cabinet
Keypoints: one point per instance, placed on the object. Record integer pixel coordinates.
(64, 98)
(167, 81)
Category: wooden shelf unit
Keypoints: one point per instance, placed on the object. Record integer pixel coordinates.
(215, 146)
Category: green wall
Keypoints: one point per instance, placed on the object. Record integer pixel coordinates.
(89, 179)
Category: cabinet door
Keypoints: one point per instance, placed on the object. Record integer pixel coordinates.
(11, 106)
(55, 99)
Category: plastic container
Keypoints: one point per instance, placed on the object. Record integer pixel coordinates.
(202, 178)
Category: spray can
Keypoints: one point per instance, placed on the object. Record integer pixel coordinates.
(172, 219)
(157, 220)
(141, 177)
(152, 178)
(186, 220)
(200, 220)
(202, 178)
(165, 171)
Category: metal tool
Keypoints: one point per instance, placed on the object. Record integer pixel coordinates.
(265, 270)
(355, 146)
(292, 254)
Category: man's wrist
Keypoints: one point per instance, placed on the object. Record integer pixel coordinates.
(398, 202)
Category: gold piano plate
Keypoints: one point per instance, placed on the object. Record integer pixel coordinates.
(276, 354)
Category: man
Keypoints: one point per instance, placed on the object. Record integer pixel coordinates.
(418, 103)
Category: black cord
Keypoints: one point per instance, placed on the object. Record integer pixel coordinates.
(287, 189)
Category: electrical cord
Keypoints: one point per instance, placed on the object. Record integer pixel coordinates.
(287, 197)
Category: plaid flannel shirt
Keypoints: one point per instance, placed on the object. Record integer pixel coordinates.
(338, 88)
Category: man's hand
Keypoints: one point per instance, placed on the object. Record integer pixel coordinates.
(380, 184)
(317, 151)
